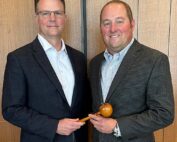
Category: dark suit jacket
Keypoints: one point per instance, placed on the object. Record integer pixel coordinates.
(33, 98)
(141, 94)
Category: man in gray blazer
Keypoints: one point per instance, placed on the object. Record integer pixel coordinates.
(45, 90)
(133, 78)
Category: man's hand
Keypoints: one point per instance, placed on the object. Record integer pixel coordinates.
(67, 126)
(103, 125)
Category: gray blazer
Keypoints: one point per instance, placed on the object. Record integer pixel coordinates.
(141, 94)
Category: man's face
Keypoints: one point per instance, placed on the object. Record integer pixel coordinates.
(51, 24)
(116, 28)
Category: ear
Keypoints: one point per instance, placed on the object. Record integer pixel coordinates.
(36, 18)
(133, 24)
(66, 18)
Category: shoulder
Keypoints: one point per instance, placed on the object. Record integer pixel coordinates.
(23, 54)
(95, 64)
(22, 51)
(97, 59)
(148, 52)
(74, 52)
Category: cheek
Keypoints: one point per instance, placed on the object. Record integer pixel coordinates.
(42, 22)
(104, 31)
(61, 22)
(125, 28)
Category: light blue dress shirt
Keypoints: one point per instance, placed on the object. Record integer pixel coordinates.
(108, 70)
(110, 67)
(61, 65)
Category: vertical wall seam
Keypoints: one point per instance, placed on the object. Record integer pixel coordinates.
(137, 19)
(169, 30)
(84, 27)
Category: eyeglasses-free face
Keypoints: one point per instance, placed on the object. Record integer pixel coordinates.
(116, 28)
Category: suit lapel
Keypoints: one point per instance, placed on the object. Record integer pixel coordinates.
(128, 61)
(73, 64)
(98, 77)
(43, 61)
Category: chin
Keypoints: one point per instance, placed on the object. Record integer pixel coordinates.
(54, 34)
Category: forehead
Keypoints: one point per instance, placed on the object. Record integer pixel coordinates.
(50, 5)
(114, 10)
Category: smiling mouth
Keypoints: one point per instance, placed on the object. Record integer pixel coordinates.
(52, 25)
(114, 36)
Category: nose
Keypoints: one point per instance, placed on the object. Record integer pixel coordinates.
(113, 27)
(52, 16)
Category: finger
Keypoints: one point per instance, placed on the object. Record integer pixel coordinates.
(77, 122)
(74, 120)
(95, 117)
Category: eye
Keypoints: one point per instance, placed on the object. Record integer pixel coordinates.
(106, 23)
(58, 13)
(119, 21)
(45, 13)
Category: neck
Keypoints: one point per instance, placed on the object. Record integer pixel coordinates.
(54, 41)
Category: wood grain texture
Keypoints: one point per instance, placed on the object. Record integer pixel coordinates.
(170, 133)
(9, 133)
(173, 29)
(72, 33)
(17, 28)
(159, 135)
(153, 30)
(153, 23)
(95, 42)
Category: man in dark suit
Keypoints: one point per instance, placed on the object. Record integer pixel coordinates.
(133, 78)
(44, 90)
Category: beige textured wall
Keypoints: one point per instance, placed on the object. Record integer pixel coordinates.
(156, 26)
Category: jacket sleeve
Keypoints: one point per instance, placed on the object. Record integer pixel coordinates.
(159, 100)
(15, 107)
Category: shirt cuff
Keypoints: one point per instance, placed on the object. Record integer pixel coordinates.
(116, 131)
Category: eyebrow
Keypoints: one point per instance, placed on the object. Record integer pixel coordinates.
(117, 18)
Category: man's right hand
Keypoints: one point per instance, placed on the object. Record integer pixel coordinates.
(67, 126)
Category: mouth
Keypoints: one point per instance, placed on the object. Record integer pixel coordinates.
(114, 36)
(52, 26)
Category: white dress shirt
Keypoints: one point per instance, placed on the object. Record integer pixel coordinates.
(62, 66)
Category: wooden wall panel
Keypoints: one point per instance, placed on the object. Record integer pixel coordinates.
(9, 133)
(153, 30)
(72, 34)
(153, 23)
(95, 42)
(134, 6)
(170, 133)
(17, 28)
(159, 135)
(173, 30)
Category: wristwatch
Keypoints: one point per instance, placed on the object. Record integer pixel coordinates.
(116, 131)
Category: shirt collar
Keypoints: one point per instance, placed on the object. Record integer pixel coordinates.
(47, 46)
(116, 56)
